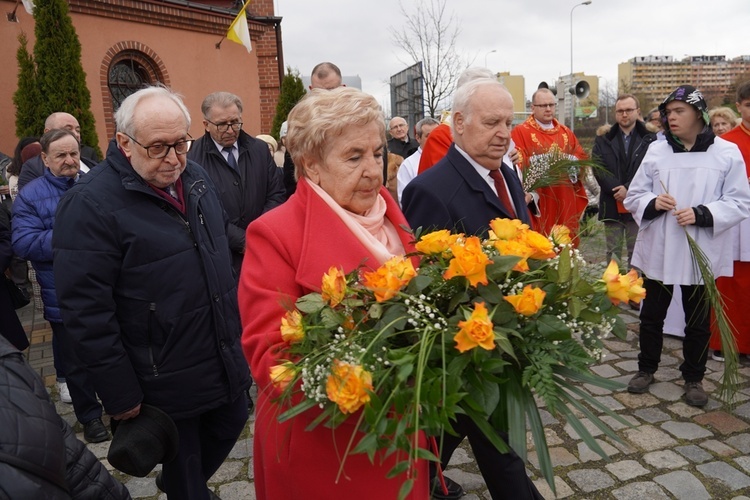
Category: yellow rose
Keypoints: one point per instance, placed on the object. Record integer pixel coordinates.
(507, 229)
(436, 242)
(292, 329)
(388, 279)
(541, 246)
(476, 331)
(282, 374)
(561, 234)
(529, 302)
(636, 292)
(617, 288)
(515, 248)
(469, 261)
(333, 289)
(347, 386)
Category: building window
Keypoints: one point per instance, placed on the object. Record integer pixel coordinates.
(125, 78)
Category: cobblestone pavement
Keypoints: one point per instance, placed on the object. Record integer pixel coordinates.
(673, 451)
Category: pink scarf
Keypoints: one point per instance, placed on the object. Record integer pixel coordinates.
(372, 229)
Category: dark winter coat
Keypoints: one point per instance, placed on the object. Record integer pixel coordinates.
(148, 294)
(50, 462)
(33, 221)
(616, 171)
(246, 195)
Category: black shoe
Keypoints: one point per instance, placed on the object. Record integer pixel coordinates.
(250, 405)
(640, 382)
(455, 490)
(95, 432)
(159, 482)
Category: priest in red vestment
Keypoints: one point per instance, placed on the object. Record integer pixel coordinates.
(736, 289)
(565, 202)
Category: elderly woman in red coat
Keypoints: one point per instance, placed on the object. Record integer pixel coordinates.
(340, 215)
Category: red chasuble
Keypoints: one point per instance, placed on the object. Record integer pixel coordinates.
(563, 203)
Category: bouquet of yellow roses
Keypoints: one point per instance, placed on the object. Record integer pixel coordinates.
(485, 328)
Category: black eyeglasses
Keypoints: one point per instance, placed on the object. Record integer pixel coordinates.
(550, 105)
(624, 111)
(223, 127)
(157, 151)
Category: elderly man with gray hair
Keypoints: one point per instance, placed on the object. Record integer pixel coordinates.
(147, 292)
(245, 174)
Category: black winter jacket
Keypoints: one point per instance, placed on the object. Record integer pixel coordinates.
(51, 462)
(608, 150)
(246, 195)
(148, 295)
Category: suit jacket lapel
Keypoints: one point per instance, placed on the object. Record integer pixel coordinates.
(476, 183)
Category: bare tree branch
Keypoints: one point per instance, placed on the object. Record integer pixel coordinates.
(430, 35)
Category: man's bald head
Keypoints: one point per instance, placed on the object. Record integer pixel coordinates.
(60, 120)
(325, 76)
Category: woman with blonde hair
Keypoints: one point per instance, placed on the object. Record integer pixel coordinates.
(722, 120)
(342, 216)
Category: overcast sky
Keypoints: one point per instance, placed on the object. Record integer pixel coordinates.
(531, 37)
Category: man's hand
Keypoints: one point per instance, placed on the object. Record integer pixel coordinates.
(619, 192)
(665, 202)
(127, 415)
(685, 217)
(514, 156)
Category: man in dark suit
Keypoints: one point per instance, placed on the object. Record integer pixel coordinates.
(460, 192)
(248, 181)
(463, 192)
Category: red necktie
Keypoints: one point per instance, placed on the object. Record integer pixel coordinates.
(502, 191)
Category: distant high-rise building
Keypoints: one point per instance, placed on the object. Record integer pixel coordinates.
(515, 85)
(652, 78)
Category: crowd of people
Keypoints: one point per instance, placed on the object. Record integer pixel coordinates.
(166, 268)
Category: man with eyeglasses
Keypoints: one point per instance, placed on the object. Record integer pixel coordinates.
(400, 143)
(247, 179)
(147, 292)
(620, 152)
(539, 135)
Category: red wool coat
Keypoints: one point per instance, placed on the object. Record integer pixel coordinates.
(288, 251)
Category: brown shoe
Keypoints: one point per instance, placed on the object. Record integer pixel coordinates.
(694, 394)
(640, 382)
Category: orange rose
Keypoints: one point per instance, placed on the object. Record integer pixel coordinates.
(617, 289)
(292, 329)
(347, 386)
(529, 302)
(469, 261)
(507, 229)
(333, 289)
(282, 374)
(561, 234)
(436, 242)
(541, 246)
(515, 248)
(476, 331)
(388, 279)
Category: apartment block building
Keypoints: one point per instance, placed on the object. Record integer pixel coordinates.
(652, 78)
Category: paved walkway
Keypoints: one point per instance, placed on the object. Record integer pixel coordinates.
(673, 451)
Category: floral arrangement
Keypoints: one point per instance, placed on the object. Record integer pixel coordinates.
(552, 167)
(490, 329)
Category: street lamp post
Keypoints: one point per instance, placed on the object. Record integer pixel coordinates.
(485, 56)
(573, 106)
